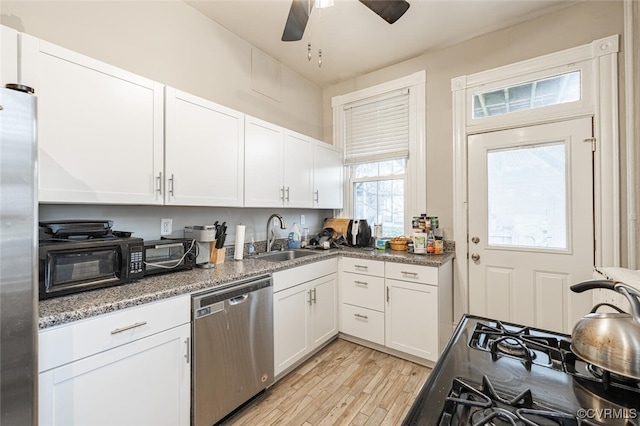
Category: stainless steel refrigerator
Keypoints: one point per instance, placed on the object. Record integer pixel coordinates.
(18, 257)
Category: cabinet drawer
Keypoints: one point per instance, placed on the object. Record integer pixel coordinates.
(363, 266)
(362, 290)
(412, 273)
(66, 343)
(363, 323)
(288, 278)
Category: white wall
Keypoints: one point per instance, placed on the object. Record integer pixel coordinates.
(144, 221)
(569, 27)
(170, 42)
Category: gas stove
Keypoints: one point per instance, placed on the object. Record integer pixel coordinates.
(496, 373)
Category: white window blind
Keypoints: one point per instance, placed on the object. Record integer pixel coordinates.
(377, 130)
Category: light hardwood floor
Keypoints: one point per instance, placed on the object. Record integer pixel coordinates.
(344, 384)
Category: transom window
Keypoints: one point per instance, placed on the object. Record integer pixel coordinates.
(540, 93)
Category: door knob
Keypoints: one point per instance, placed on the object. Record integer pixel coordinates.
(475, 257)
(475, 240)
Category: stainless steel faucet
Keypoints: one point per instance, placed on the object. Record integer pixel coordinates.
(271, 233)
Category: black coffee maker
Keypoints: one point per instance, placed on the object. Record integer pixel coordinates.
(359, 233)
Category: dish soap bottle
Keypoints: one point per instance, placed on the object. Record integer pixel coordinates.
(296, 236)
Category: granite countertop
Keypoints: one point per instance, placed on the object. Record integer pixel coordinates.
(66, 309)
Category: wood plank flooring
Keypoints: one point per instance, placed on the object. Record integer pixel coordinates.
(344, 384)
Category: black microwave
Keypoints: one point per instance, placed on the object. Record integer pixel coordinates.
(67, 266)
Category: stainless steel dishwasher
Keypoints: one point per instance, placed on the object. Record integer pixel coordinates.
(232, 347)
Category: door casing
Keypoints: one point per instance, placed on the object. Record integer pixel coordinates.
(598, 60)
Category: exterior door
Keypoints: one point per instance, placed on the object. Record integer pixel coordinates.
(531, 223)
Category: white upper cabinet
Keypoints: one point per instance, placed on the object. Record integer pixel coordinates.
(298, 170)
(263, 164)
(8, 55)
(204, 152)
(278, 166)
(327, 176)
(100, 132)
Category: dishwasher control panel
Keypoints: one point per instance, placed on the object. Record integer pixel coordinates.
(208, 310)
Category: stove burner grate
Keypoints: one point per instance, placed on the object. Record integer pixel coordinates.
(519, 343)
(469, 404)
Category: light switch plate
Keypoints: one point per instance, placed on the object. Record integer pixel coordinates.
(166, 226)
(301, 219)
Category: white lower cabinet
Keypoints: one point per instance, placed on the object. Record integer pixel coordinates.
(144, 377)
(305, 311)
(412, 312)
(403, 307)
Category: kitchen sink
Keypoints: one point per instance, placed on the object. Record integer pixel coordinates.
(281, 256)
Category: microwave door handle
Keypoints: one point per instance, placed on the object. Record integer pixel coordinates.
(172, 245)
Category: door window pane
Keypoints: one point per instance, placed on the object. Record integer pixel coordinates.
(549, 91)
(527, 197)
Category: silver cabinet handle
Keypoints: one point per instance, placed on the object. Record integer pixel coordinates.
(282, 193)
(317, 196)
(129, 327)
(361, 283)
(314, 296)
(310, 299)
(387, 294)
(411, 274)
(171, 182)
(159, 180)
(287, 194)
(360, 316)
(187, 354)
(365, 267)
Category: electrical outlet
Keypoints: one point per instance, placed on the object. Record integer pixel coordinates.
(166, 226)
(301, 219)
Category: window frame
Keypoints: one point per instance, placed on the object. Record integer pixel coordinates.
(415, 182)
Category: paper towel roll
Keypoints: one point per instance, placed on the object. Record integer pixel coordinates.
(239, 249)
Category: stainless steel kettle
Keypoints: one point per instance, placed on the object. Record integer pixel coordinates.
(610, 340)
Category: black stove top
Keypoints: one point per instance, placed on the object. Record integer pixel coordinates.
(495, 373)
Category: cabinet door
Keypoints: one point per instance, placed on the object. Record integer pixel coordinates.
(324, 310)
(411, 320)
(8, 56)
(204, 152)
(146, 382)
(290, 326)
(327, 176)
(100, 134)
(298, 170)
(263, 164)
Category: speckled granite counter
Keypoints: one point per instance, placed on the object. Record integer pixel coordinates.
(67, 309)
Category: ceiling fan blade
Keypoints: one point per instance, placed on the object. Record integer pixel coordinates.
(389, 10)
(297, 20)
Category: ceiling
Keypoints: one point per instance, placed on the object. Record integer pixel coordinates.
(356, 41)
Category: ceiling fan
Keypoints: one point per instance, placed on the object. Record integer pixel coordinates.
(389, 10)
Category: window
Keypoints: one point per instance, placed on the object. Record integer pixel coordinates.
(527, 200)
(540, 93)
(378, 194)
(382, 132)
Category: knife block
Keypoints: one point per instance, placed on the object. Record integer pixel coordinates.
(218, 255)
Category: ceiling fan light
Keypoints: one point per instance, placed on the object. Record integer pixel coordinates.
(321, 4)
